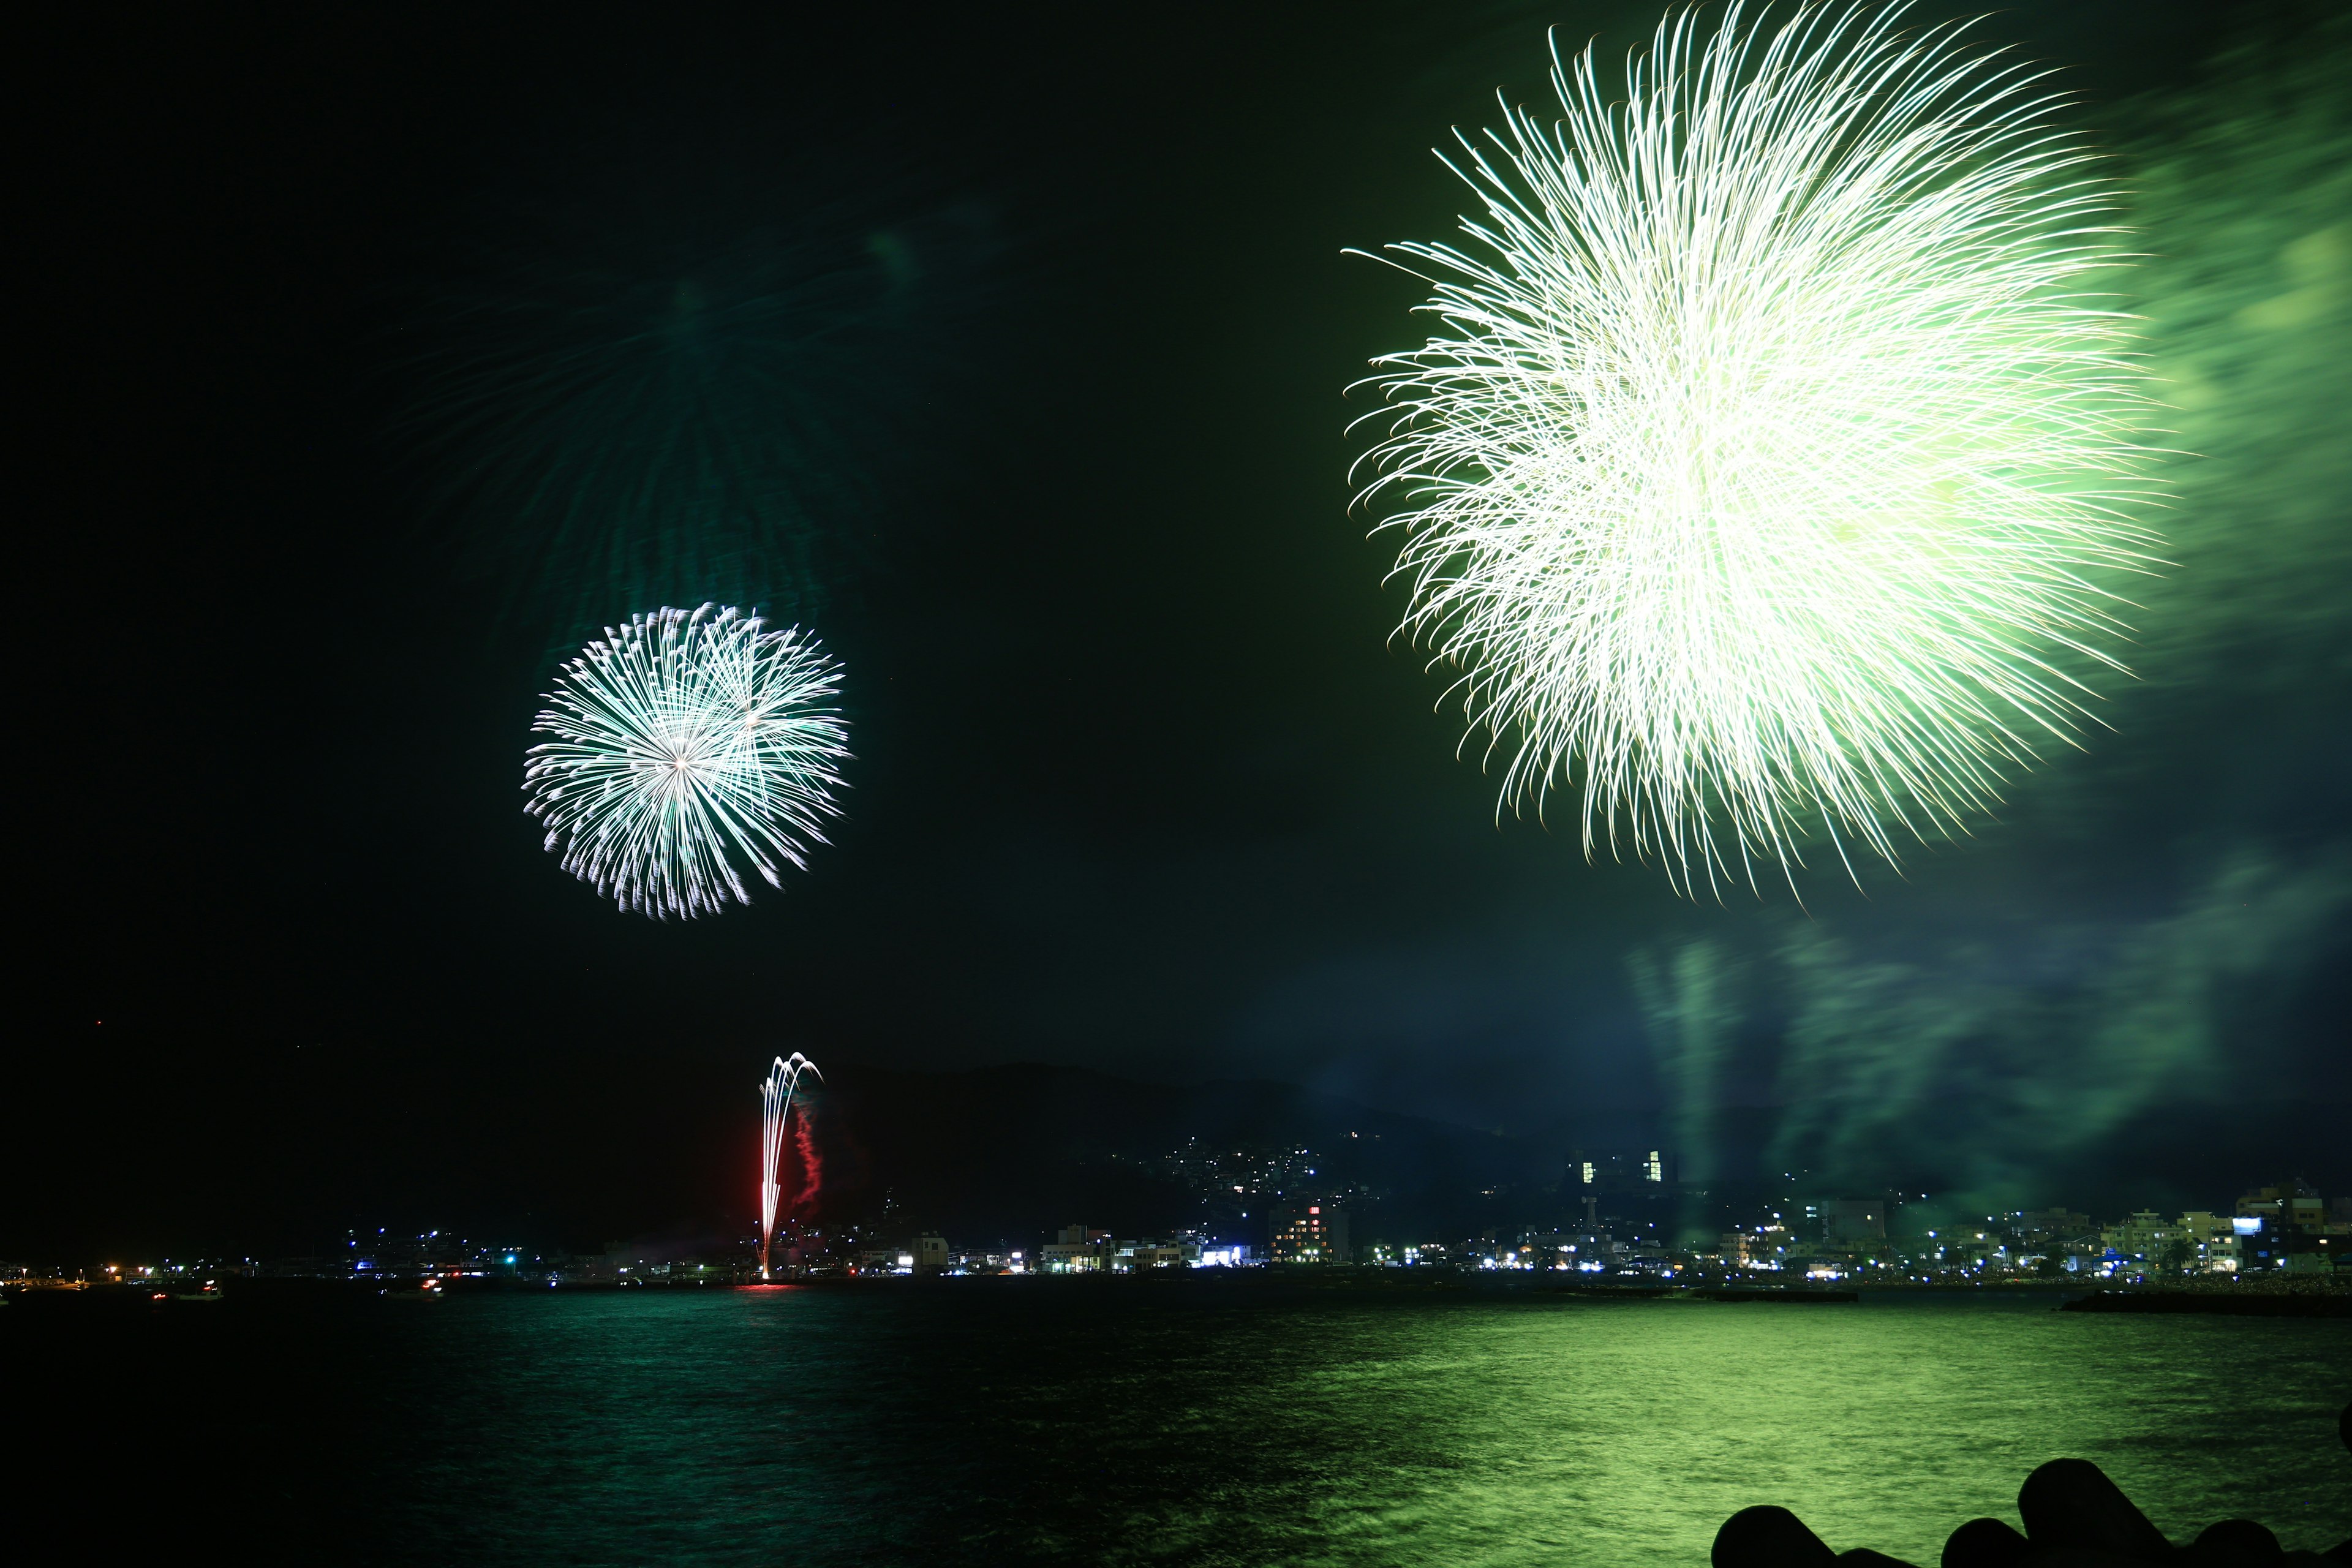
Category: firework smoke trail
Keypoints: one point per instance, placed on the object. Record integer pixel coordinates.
(812, 1162)
(633, 434)
(682, 737)
(775, 1109)
(1760, 471)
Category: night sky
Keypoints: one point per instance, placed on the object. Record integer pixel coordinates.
(1049, 315)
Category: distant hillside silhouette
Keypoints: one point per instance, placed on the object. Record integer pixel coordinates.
(1015, 1151)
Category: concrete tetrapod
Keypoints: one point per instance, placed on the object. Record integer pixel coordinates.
(2075, 1517)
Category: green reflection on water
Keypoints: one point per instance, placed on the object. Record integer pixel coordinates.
(1225, 1424)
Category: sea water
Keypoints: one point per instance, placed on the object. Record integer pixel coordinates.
(1135, 1422)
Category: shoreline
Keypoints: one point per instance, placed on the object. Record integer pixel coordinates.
(2300, 1299)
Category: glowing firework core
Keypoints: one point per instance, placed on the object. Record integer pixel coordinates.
(1754, 474)
(775, 1109)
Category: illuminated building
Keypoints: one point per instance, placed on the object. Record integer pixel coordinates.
(1767, 1247)
(1137, 1256)
(1636, 1189)
(2140, 1239)
(2211, 1241)
(1076, 1251)
(2285, 1227)
(2289, 1207)
(1619, 1186)
(994, 1261)
(1310, 1233)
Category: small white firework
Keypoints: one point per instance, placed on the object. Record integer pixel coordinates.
(684, 738)
(1756, 472)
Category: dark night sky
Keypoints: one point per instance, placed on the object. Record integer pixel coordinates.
(1141, 782)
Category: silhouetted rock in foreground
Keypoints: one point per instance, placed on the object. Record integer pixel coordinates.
(2074, 1517)
(2238, 1541)
(1769, 1537)
(2069, 1505)
(1985, 1543)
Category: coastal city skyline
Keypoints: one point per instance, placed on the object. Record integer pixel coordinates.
(1361, 783)
(1619, 1216)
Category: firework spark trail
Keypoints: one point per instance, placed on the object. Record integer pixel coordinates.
(775, 1109)
(1760, 464)
(682, 737)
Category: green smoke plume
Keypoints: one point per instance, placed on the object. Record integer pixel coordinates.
(2131, 944)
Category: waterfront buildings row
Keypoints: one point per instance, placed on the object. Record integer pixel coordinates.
(2286, 1229)
(2283, 1229)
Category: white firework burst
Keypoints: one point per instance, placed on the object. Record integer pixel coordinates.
(1762, 469)
(682, 739)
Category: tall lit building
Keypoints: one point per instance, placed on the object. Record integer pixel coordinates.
(1310, 1233)
(2211, 1241)
(2285, 1227)
(1639, 1187)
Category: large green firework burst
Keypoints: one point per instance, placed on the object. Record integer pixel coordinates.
(1761, 472)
